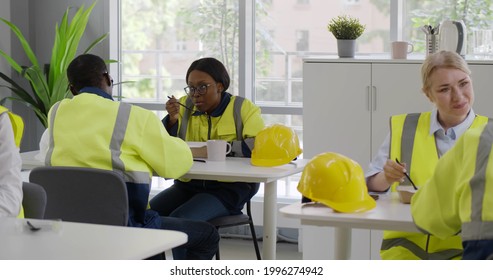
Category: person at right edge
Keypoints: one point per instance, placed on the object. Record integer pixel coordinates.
(418, 140)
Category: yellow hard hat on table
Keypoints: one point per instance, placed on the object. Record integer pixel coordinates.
(275, 145)
(336, 181)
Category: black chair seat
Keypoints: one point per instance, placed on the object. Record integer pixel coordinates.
(234, 220)
(237, 220)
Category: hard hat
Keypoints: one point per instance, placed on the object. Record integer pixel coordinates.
(336, 181)
(275, 145)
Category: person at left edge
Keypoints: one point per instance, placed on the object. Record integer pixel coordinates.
(212, 113)
(458, 198)
(11, 129)
(91, 130)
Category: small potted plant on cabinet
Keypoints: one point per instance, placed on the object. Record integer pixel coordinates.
(346, 29)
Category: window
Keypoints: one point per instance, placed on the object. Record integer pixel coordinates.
(159, 40)
(302, 40)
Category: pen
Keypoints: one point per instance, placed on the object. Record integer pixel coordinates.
(169, 97)
(199, 160)
(407, 176)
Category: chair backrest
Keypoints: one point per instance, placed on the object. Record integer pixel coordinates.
(33, 200)
(86, 195)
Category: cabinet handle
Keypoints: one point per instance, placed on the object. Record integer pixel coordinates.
(368, 98)
(374, 89)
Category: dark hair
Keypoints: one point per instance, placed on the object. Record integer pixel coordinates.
(213, 67)
(86, 70)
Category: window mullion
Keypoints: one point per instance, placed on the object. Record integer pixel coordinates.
(246, 72)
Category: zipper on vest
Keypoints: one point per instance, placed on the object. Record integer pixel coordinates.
(209, 122)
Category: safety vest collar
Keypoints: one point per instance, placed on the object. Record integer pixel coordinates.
(96, 91)
(457, 130)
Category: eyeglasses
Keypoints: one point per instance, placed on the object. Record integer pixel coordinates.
(109, 77)
(201, 90)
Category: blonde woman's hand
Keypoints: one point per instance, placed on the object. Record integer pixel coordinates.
(394, 172)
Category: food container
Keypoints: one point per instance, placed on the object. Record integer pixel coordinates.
(405, 193)
(199, 149)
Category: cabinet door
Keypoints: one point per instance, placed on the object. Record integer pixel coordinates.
(396, 89)
(483, 93)
(336, 117)
(336, 113)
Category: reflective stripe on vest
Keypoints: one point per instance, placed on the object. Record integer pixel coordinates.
(238, 102)
(413, 129)
(388, 244)
(477, 229)
(117, 138)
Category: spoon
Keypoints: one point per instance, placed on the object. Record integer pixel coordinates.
(185, 106)
(32, 227)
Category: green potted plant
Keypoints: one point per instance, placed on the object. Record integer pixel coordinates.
(50, 86)
(346, 29)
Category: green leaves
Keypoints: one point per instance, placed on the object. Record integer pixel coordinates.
(346, 27)
(51, 87)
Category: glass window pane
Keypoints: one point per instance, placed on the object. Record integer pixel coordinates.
(477, 15)
(160, 39)
(287, 31)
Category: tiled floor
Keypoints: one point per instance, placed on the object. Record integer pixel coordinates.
(241, 249)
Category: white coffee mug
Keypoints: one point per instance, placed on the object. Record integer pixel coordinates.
(217, 150)
(400, 49)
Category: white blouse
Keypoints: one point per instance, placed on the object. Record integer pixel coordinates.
(10, 170)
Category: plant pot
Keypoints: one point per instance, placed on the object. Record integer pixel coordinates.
(346, 48)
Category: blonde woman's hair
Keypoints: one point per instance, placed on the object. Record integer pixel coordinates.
(441, 59)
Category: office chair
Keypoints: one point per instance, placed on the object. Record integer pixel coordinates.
(236, 220)
(33, 200)
(84, 195)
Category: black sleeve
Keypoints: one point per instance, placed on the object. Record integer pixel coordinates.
(173, 131)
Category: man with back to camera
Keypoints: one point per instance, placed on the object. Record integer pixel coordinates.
(92, 130)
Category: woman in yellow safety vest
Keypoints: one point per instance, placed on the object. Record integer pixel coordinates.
(11, 129)
(459, 195)
(418, 140)
(209, 112)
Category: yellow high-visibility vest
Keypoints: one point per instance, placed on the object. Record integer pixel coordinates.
(17, 125)
(412, 143)
(18, 129)
(459, 195)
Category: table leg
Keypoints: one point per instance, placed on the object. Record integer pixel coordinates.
(270, 221)
(342, 243)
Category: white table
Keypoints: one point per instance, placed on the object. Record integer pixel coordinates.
(78, 241)
(389, 214)
(234, 169)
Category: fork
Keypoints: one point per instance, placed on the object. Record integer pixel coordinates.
(407, 176)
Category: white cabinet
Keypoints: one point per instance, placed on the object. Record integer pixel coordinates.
(347, 104)
(346, 109)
